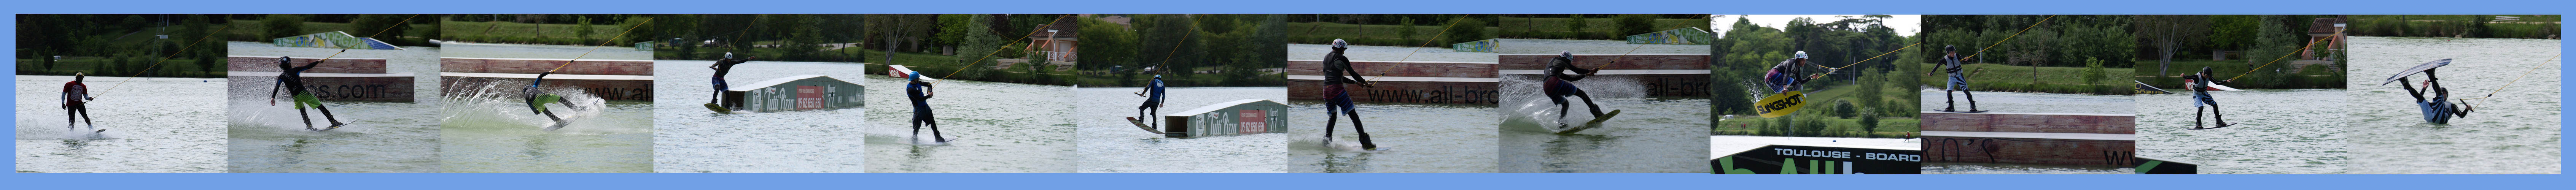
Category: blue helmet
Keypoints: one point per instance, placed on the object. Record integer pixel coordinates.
(1158, 76)
(915, 75)
(1567, 54)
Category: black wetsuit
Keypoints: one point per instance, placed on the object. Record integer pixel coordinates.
(1558, 85)
(292, 78)
(723, 66)
(920, 92)
(2200, 83)
(2438, 109)
(1952, 64)
(1337, 98)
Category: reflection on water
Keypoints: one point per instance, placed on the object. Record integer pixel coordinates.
(155, 125)
(1007, 128)
(386, 137)
(1424, 138)
(2516, 132)
(2277, 132)
(691, 139)
(1112, 145)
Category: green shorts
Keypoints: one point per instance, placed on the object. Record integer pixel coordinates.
(542, 99)
(307, 98)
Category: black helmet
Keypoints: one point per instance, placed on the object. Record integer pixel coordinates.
(1949, 48)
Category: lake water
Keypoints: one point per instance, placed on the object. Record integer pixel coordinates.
(1109, 144)
(2516, 132)
(386, 137)
(1425, 138)
(488, 128)
(2277, 132)
(1008, 128)
(154, 125)
(1650, 135)
(690, 139)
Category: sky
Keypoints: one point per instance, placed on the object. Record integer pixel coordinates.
(1905, 25)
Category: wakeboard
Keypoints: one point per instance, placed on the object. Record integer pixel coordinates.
(2417, 69)
(2143, 88)
(951, 139)
(1141, 125)
(1780, 104)
(1969, 111)
(336, 126)
(559, 124)
(2219, 126)
(719, 109)
(1595, 123)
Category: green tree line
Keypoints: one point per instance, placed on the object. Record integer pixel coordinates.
(1187, 49)
(120, 45)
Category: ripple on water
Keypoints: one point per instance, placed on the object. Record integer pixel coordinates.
(2277, 132)
(1009, 128)
(1650, 135)
(1426, 138)
(155, 125)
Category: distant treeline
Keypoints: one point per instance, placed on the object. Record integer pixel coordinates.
(1189, 49)
(2455, 26)
(119, 45)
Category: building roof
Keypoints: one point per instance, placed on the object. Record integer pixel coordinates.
(1064, 29)
(2323, 25)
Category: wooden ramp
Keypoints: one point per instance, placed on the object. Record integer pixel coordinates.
(1663, 74)
(795, 93)
(1239, 117)
(341, 79)
(1423, 82)
(2030, 138)
(607, 78)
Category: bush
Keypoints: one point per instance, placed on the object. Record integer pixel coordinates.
(1465, 30)
(282, 25)
(1633, 24)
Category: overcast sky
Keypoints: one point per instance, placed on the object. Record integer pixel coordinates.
(1905, 25)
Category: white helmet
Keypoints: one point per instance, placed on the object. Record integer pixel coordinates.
(1338, 43)
(729, 55)
(1802, 54)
